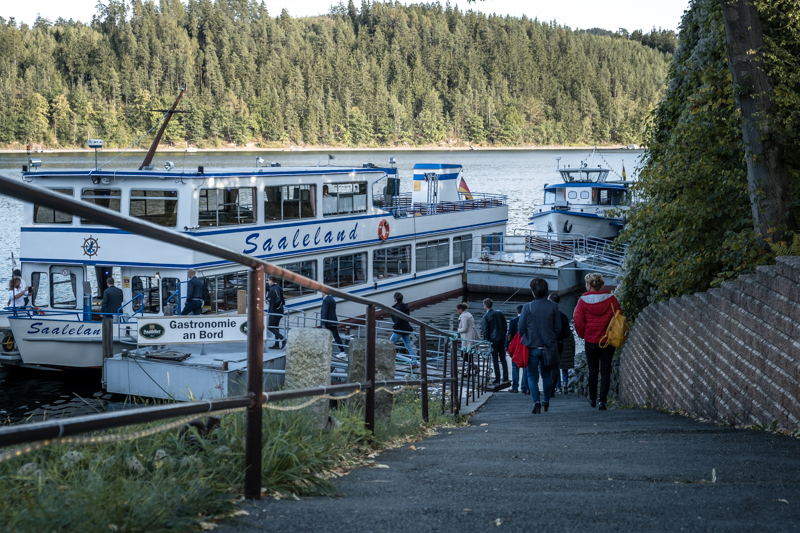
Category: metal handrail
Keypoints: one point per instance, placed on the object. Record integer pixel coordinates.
(141, 309)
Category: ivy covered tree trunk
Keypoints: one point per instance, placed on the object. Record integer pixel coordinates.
(767, 173)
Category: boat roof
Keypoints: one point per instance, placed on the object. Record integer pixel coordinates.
(203, 173)
(584, 174)
(605, 185)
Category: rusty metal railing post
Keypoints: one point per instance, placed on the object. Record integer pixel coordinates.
(444, 372)
(455, 397)
(255, 386)
(423, 370)
(369, 405)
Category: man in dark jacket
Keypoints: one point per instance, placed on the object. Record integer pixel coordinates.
(494, 330)
(329, 320)
(539, 327)
(515, 383)
(112, 298)
(566, 348)
(275, 300)
(194, 295)
(402, 327)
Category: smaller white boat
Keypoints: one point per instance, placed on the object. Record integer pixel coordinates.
(584, 204)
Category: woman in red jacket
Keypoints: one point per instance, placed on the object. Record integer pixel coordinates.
(592, 315)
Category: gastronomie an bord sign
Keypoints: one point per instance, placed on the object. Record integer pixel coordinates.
(192, 329)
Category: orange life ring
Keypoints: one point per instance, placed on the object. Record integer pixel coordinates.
(383, 230)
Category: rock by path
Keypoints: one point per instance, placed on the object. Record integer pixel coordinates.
(571, 469)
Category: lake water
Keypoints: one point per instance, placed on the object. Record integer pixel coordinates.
(519, 174)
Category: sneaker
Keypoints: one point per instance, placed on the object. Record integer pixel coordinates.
(601, 406)
(593, 403)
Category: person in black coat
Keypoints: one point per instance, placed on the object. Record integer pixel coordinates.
(329, 320)
(112, 298)
(560, 339)
(194, 295)
(512, 331)
(401, 327)
(276, 301)
(494, 329)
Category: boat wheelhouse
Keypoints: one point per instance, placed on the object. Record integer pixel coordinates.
(354, 228)
(584, 204)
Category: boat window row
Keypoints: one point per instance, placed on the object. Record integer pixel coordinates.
(220, 207)
(598, 196)
(150, 294)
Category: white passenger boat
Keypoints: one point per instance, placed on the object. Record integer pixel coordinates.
(585, 204)
(350, 228)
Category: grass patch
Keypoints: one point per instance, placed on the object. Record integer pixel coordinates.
(163, 483)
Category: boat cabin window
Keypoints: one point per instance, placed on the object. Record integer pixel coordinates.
(151, 300)
(584, 195)
(433, 254)
(221, 292)
(290, 202)
(462, 249)
(227, 207)
(344, 198)
(108, 198)
(40, 282)
(572, 195)
(45, 215)
(617, 197)
(158, 207)
(604, 197)
(304, 268)
(391, 262)
(549, 197)
(63, 289)
(345, 270)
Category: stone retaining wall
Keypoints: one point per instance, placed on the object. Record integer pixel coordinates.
(730, 354)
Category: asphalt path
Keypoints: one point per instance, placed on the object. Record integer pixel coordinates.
(571, 469)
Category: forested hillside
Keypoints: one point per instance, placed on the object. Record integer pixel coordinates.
(384, 74)
(693, 227)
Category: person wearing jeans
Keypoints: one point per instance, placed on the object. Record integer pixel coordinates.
(401, 327)
(536, 367)
(494, 330)
(515, 383)
(539, 326)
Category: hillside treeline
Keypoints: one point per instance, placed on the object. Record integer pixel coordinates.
(693, 227)
(384, 74)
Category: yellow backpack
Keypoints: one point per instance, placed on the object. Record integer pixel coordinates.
(618, 330)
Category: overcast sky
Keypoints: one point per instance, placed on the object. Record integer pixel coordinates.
(608, 14)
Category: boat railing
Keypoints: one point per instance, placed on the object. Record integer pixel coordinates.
(403, 206)
(140, 311)
(59, 430)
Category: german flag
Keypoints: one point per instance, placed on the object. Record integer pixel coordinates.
(463, 189)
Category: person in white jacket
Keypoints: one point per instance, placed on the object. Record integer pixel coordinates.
(466, 325)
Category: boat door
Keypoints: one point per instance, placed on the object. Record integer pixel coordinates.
(66, 287)
(150, 291)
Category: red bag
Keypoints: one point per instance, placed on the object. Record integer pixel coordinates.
(519, 352)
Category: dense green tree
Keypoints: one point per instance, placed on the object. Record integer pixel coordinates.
(417, 74)
(692, 227)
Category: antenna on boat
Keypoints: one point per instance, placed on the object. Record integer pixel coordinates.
(558, 162)
(153, 147)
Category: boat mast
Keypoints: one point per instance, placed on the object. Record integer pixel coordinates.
(153, 147)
